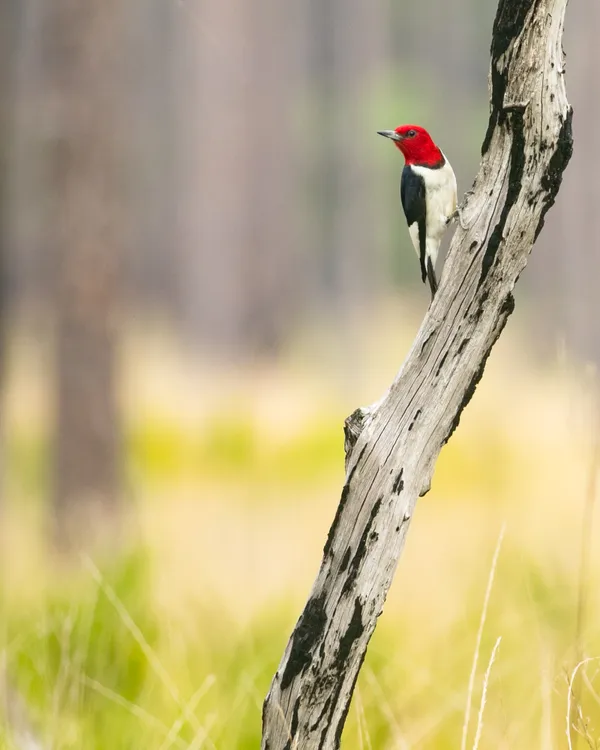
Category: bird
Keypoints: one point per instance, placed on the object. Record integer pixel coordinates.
(428, 194)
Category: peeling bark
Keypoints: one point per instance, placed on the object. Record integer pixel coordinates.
(392, 446)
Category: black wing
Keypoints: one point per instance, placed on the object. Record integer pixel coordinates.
(412, 195)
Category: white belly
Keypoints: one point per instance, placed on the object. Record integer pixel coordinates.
(440, 194)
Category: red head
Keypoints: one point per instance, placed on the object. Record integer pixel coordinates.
(416, 145)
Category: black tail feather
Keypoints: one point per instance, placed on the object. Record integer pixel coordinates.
(433, 284)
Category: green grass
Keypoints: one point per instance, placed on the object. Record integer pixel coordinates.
(100, 664)
(172, 642)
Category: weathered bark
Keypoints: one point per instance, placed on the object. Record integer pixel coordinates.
(392, 447)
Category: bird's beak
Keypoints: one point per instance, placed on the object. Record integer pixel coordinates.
(390, 134)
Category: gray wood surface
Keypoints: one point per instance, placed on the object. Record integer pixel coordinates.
(393, 445)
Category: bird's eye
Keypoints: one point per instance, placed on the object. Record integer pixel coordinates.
(411, 133)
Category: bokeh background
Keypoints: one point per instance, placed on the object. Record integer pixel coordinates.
(204, 269)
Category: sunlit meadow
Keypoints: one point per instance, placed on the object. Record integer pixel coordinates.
(233, 476)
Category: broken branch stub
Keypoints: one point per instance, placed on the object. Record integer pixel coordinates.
(392, 446)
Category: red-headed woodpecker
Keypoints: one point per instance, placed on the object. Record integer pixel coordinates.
(428, 194)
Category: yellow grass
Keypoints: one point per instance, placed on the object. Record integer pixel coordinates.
(234, 476)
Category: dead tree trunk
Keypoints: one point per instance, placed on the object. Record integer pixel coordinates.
(392, 446)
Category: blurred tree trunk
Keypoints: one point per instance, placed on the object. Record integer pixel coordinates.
(237, 156)
(269, 267)
(8, 29)
(84, 57)
(348, 57)
(6, 47)
(566, 271)
(349, 44)
(212, 157)
(154, 192)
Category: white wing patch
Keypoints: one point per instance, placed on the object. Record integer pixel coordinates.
(413, 230)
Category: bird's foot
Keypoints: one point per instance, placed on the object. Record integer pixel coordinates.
(458, 213)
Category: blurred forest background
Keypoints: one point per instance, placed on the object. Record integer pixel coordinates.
(204, 268)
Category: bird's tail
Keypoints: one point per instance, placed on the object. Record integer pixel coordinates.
(433, 284)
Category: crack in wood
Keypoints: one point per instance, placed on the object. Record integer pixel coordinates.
(414, 419)
(361, 550)
(552, 179)
(515, 183)
(398, 485)
(305, 638)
